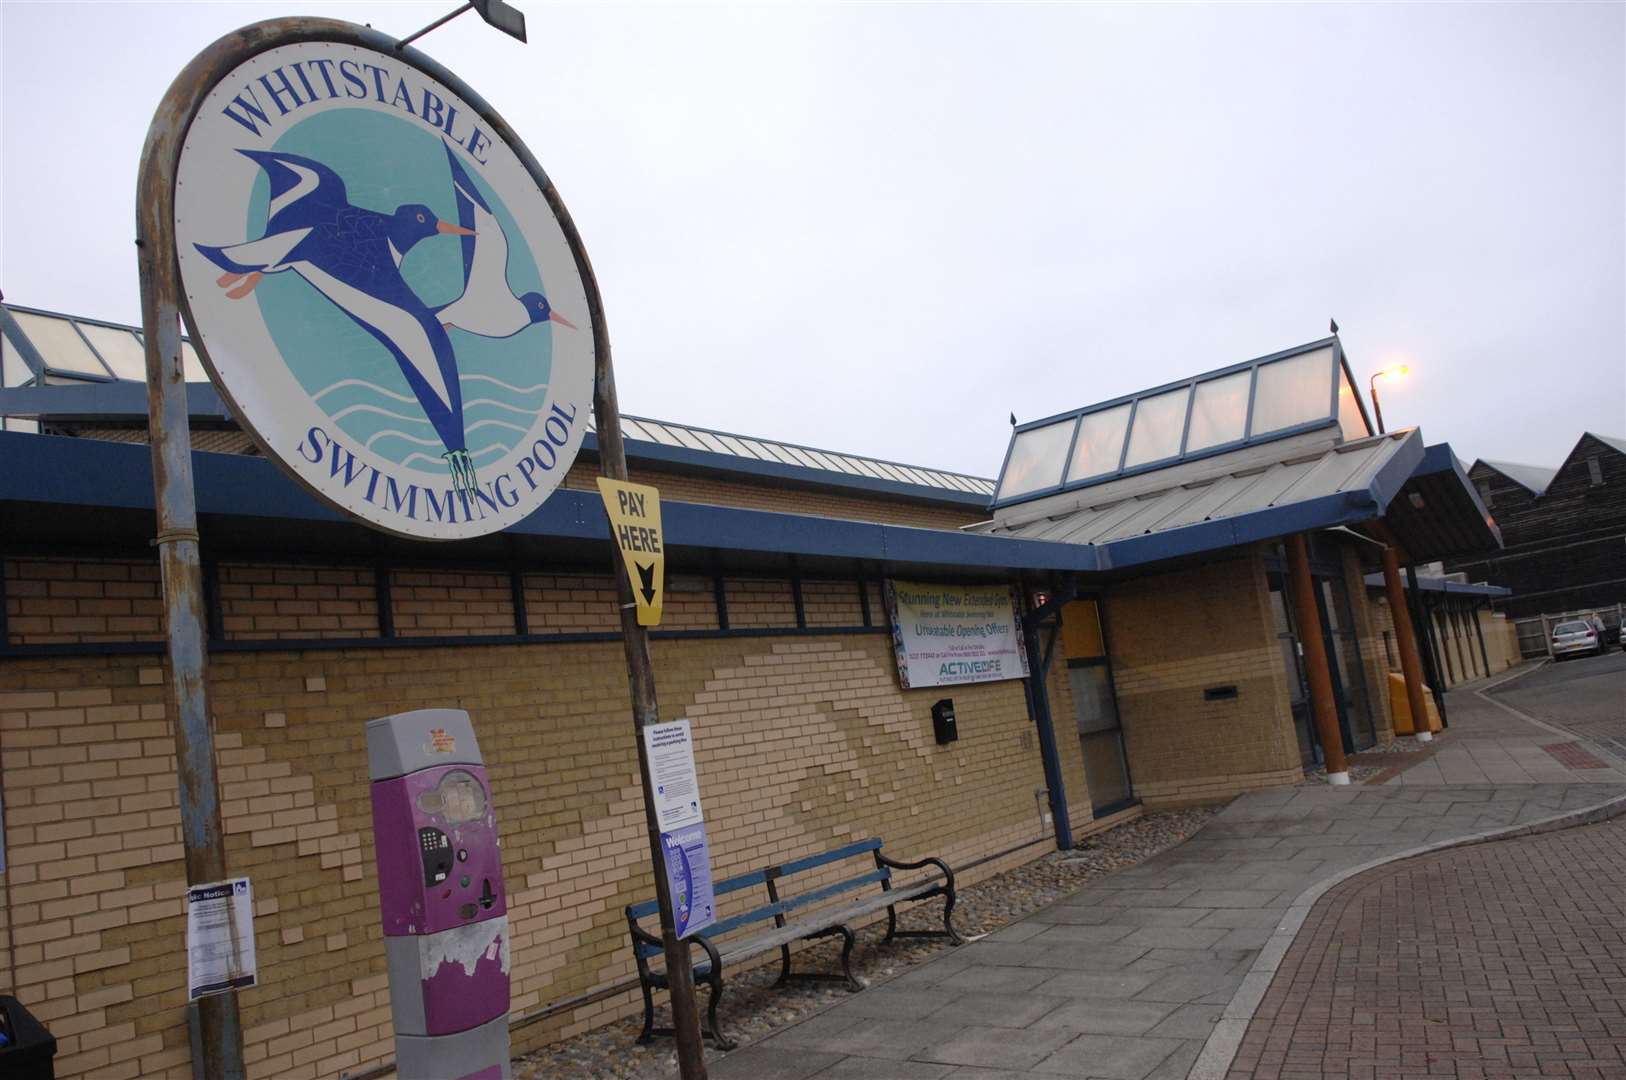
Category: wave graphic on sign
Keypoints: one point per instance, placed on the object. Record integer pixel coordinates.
(372, 416)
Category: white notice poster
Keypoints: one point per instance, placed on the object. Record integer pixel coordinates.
(671, 774)
(947, 634)
(219, 938)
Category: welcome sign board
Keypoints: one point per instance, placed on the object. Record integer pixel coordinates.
(948, 634)
(383, 289)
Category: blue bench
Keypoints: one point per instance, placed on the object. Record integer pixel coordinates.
(784, 920)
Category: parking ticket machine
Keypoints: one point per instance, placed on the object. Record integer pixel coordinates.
(441, 896)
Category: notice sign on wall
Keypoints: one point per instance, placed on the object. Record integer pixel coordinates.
(684, 849)
(219, 938)
(947, 634)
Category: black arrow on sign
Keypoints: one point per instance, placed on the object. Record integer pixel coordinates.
(646, 574)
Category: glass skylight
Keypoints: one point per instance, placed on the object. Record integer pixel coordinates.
(1158, 425)
(60, 344)
(1270, 398)
(1219, 411)
(1293, 391)
(1036, 459)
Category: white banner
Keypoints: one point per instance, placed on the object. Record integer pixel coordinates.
(947, 634)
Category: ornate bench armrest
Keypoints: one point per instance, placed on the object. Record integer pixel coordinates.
(948, 874)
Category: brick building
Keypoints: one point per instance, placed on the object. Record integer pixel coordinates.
(1163, 631)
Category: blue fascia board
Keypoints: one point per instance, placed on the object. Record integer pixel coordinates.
(92, 472)
(1338, 508)
(1455, 588)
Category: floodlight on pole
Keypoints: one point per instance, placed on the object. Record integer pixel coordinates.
(1393, 371)
(510, 20)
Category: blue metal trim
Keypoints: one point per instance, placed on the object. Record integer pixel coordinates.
(1185, 428)
(116, 399)
(1439, 458)
(1123, 451)
(1440, 585)
(91, 472)
(1338, 508)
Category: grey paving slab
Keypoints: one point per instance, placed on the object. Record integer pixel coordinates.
(767, 1061)
(1093, 984)
(1185, 987)
(1099, 1017)
(1110, 1057)
(1098, 934)
(893, 1039)
(998, 1010)
(996, 1047)
(894, 1002)
(1175, 937)
(1012, 980)
(855, 1068)
(1189, 1022)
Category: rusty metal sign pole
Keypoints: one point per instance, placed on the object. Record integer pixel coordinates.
(169, 431)
(641, 677)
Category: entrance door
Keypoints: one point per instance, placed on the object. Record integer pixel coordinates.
(1298, 689)
(1100, 732)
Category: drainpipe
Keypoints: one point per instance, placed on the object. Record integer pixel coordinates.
(1316, 667)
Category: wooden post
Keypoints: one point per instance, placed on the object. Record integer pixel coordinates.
(1322, 706)
(1411, 665)
(641, 681)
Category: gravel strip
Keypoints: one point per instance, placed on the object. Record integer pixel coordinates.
(752, 1008)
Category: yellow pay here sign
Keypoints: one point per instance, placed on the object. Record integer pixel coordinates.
(635, 525)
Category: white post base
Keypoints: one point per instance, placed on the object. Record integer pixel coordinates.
(1425, 736)
(1338, 779)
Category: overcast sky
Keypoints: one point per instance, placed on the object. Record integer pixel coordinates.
(883, 228)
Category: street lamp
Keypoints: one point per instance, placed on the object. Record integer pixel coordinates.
(1393, 371)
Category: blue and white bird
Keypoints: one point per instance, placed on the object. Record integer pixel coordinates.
(488, 306)
(352, 256)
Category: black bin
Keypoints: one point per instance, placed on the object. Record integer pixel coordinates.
(29, 1049)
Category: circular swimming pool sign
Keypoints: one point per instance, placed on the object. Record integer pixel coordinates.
(383, 287)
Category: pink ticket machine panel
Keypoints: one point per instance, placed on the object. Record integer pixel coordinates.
(440, 895)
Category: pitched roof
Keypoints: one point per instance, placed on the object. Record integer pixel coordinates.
(1612, 440)
(1533, 478)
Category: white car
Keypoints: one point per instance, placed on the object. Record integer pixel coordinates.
(1574, 637)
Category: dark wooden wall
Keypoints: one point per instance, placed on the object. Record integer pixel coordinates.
(1565, 548)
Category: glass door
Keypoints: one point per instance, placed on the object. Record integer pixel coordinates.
(1344, 651)
(1095, 706)
(1292, 666)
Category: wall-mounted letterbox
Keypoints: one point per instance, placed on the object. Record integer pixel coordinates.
(943, 725)
(441, 896)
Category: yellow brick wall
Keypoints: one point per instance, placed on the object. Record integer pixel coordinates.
(1173, 634)
(260, 602)
(802, 742)
(1364, 608)
(55, 601)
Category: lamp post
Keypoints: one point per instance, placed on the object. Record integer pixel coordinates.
(1393, 371)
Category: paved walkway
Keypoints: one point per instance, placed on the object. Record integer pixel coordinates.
(1505, 959)
(1129, 978)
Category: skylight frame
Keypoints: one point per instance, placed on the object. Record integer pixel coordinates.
(1074, 417)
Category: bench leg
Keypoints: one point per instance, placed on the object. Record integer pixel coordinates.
(853, 985)
(716, 1033)
(784, 965)
(948, 921)
(891, 925)
(649, 1013)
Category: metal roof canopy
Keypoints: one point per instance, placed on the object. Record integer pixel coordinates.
(95, 493)
(1442, 585)
(1438, 514)
(1344, 485)
(90, 389)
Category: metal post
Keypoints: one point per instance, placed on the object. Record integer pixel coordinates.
(1049, 756)
(1377, 408)
(1479, 632)
(1406, 638)
(1425, 626)
(1316, 667)
(169, 432)
(641, 679)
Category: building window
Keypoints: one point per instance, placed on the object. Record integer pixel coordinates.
(1594, 469)
(1484, 492)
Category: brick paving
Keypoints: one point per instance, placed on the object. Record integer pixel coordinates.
(1504, 959)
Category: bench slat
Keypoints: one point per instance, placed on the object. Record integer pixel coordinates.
(721, 888)
(796, 866)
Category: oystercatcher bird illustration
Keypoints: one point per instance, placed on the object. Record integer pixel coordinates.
(488, 306)
(352, 256)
